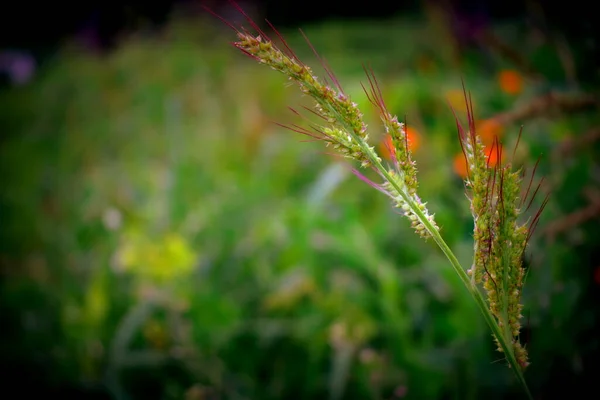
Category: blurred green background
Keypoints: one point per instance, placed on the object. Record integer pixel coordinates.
(162, 238)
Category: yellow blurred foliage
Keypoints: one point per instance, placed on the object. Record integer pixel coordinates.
(161, 260)
(456, 99)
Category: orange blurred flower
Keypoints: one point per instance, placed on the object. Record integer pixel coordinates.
(459, 163)
(510, 81)
(489, 129)
(386, 147)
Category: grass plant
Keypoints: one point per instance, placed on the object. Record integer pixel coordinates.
(498, 198)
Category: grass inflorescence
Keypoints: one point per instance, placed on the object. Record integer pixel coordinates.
(494, 189)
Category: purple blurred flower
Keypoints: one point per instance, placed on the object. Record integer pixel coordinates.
(18, 65)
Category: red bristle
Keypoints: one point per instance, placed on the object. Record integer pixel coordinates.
(336, 155)
(512, 158)
(499, 151)
(470, 116)
(311, 140)
(315, 113)
(334, 78)
(368, 181)
(294, 111)
(536, 218)
(247, 53)
(301, 130)
(373, 100)
(534, 193)
(289, 50)
(524, 198)
(375, 96)
(461, 131)
(489, 155)
(461, 138)
(250, 20)
(406, 139)
(377, 90)
(323, 63)
(367, 93)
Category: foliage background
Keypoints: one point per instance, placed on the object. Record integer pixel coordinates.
(161, 238)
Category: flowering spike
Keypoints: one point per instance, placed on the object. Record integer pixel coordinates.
(500, 240)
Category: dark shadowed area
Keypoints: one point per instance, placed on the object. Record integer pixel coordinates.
(163, 237)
